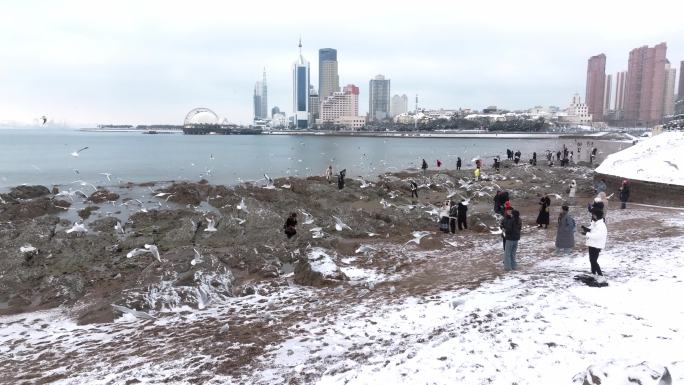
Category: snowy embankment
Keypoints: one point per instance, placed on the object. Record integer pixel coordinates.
(533, 326)
(658, 159)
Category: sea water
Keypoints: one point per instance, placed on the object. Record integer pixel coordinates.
(43, 156)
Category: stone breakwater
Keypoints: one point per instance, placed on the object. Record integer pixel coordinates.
(216, 242)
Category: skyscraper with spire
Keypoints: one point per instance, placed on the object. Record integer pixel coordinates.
(261, 98)
(300, 91)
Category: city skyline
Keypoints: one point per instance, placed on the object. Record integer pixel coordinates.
(80, 63)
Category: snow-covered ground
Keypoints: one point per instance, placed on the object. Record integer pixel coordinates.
(657, 159)
(533, 326)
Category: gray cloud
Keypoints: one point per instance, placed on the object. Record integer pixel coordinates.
(142, 62)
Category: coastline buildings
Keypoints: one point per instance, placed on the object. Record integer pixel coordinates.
(645, 86)
(596, 85)
(398, 105)
(576, 113)
(328, 77)
(342, 108)
(607, 93)
(300, 91)
(379, 98)
(261, 99)
(679, 106)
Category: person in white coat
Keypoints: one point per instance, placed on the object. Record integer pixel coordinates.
(572, 190)
(596, 234)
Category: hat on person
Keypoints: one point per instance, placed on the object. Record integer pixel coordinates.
(597, 199)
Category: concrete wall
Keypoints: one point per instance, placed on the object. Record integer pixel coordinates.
(645, 192)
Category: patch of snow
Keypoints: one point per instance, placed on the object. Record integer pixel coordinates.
(657, 159)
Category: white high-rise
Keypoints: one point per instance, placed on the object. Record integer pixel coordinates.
(398, 105)
(668, 98)
(261, 99)
(300, 91)
(328, 78)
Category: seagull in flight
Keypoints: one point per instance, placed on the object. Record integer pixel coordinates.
(211, 225)
(77, 228)
(43, 119)
(339, 225)
(135, 313)
(197, 259)
(308, 218)
(75, 154)
(417, 236)
(365, 249)
(242, 205)
(154, 250)
(108, 175)
(119, 227)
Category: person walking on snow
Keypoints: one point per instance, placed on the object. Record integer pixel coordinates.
(624, 194)
(329, 174)
(461, 219)
(414, 189)
(543, 218)
(444, 217)
(453, 215)
(511, 226)
(572, 191)
(597, 234)
(424, 166)
(565, 235)
(290, 225)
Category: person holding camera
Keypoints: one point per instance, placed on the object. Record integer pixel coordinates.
(597, 234)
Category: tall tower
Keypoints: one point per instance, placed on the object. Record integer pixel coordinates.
(300, 91)
(645, 85)
(328, 77)
(379, 98)
(261, 98)
(596, 83)
(668, 95)
(680, 91)
(607, 92)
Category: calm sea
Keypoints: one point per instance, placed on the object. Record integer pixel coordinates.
(43, 156)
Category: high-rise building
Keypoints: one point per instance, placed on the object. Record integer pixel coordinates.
(680, 90)
(398, 105)
(596, 83)
(607, 92)
(379, 98)
(300, 91)
(328, 77)
(261, 99)
(668, 94)
(619, 103)
(275, 110)
(645, 85)
(344, 103)
(314, 104)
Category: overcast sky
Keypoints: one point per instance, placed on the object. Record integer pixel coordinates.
(87, 62)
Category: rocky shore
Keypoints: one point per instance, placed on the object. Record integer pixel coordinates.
(217, 241)
(131, 283)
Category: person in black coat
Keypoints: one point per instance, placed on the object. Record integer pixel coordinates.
(543, 217)
(534, 158)
(290, 225)
(458, 163)
(414, 189)
(340, 179)
(461, 218)
(624, 194)
(424, 166)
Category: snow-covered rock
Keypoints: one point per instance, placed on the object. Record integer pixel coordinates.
(657, 159)
(318, 268)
